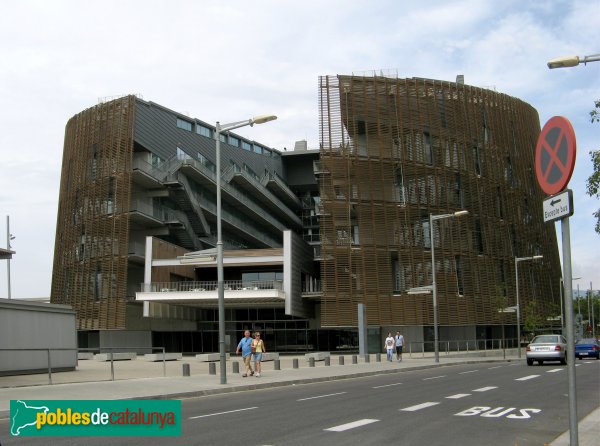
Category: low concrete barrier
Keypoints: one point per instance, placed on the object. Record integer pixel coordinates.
(317, 356)
(209, 357)
(153, 357)
(85, 355)
(269, 356)
(119, 356)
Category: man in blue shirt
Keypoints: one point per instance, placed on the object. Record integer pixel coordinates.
(245, 346)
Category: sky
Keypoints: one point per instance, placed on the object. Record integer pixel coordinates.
(230, 60)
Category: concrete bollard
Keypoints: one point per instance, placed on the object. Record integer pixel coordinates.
(295, 363)
(276, 364)
(311, 362)
(185, 368)
(327, 361)
(341, 360)
(354, 359)
(367, 358)
(378, 357)
(212, 368)
(236, 367)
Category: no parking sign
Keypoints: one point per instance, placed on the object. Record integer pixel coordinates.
(555, 155)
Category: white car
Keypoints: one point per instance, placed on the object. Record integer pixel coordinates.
(550, 347)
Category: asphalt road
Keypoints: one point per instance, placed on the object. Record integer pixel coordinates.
(476, 404)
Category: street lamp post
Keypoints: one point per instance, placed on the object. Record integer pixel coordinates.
(220, 288)
(517, 260)
(433, 218)
(572, 61)
(9, 237)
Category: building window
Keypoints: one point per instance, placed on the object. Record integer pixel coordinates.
(459, 275)
(247, 146)
(502, 278)
(181, 155)
(442, 107)
(426, 233)
(477, 159)
(508, 172)
(428, 150)
(94, 166)
(399, 189)
(98, 282)
(206, 163)
(222, 138)
(478, 236)
(513, 240)
(183, 124)
(396, 277)
(156, 160)
(499, 204)
(458, 195)
(233, 141)
(204, 131)
(258, 149)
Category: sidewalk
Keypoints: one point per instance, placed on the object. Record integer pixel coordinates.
(139, 379)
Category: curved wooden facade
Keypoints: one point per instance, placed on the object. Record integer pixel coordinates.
(393, 151)
(92, 228)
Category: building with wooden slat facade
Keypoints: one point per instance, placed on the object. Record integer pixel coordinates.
(308, 233)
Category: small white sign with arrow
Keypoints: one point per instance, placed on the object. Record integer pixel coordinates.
(558, 206)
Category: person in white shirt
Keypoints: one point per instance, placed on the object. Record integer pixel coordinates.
(389, 346)
(399, 345)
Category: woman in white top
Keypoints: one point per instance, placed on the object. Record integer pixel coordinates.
(389, 345)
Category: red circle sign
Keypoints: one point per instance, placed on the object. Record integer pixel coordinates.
(555, 155)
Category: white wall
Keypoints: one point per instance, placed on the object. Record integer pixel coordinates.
(28, 325)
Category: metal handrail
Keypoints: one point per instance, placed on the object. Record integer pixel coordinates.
(199, 286)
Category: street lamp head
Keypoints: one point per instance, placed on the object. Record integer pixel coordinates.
(460, 213)
(261, 119)
(538, 257)
(565, 61)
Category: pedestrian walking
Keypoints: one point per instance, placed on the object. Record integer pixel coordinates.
(399, 345)
(258, 348)
(245, 345)
(389, 346)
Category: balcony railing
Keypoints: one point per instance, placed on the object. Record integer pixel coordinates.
(200, 286)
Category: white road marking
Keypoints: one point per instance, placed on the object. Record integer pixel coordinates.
(497, 367)
(458, 396)
(484, 389)
(525, 378)
(221, 413)
(387, 385)
(434, 377)
(554, 370)
(577, 365)
(512, 365)
(419, 406)
(321, 396)
(345, 427)
(469, 371)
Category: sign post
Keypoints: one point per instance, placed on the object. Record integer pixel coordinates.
(555, 155)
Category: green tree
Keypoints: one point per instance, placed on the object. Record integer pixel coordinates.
(593, 182)
(533, 319)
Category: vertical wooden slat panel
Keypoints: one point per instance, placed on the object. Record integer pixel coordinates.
(394, 151)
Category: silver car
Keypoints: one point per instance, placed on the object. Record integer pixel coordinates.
(550, 347)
